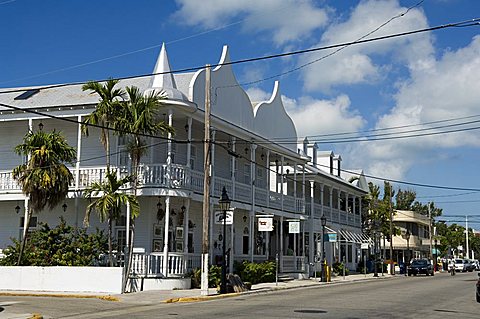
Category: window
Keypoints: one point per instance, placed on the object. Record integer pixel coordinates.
(123, 158)
(33, 222)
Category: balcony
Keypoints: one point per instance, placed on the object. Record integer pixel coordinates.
(174, 177)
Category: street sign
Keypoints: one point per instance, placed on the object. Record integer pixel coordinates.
(330, 237)
(364, 246)
(265, 224)
(219, 217)
(294, 227)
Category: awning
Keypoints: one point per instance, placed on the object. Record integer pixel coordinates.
(348, 236)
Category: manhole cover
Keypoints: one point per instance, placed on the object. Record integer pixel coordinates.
(310, 311)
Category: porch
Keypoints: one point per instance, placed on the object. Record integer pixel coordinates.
(150, 265)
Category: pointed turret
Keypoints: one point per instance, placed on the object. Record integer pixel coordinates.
(163, 81)
(163, 78)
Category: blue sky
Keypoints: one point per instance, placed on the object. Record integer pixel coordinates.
(405, 81)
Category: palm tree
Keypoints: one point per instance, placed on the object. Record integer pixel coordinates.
(106, 198)
(106, 112)
(139, 117)
(44, 177)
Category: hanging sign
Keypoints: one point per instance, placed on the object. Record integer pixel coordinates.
(294, 227)
(265, 224)
(219, 217)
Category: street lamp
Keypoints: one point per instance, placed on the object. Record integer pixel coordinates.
(407, 260)
(224, 203)
(323, 219)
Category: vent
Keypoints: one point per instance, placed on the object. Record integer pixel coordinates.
(27, 94)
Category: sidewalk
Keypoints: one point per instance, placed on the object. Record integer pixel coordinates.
(192, 295)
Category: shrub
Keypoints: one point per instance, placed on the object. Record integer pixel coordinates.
(256, 272)
(338, 269)
(62, 245)
(214, 277)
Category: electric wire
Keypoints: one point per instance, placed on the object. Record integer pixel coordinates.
(470, 22)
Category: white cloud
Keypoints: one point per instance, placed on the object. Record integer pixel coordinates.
(357, 63)
(446, 90)
(288, 20)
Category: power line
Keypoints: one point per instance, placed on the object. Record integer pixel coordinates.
(471, 22)
(329, 54)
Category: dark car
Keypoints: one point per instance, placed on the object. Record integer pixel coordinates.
(478, 288)
(420, 266)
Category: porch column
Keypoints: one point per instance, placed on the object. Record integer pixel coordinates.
(77, 167)
(189, 139)
(166, 236)
(303, 189)
(339, 192)
(167, 198)
(212, 192)
(234, 163)
(281, 245)
(295, 187)
(268, 178)
(281, 182)
(360, 210)
(311, 233)
(253, 148)
(321, 202)
(186, 217)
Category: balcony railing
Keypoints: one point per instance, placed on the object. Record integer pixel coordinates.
(176, 176)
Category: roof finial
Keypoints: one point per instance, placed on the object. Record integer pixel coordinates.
(162, 77)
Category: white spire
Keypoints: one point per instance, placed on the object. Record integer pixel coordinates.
(163, 65)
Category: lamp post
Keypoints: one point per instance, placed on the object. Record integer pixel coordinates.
(407, 258)
(224, 203)
(375, 270)
(323, 219)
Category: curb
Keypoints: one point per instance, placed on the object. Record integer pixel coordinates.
(270, 289)
(21, 294)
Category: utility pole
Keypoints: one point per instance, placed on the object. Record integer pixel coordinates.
(430, 229)
(392, 269)
(206, 186)
(466, 234)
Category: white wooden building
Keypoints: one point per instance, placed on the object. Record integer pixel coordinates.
(261, 174)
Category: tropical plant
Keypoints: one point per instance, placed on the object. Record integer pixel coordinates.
(62, 245)
(139, 117)
(44, 178)
(106, 199)
(106, 112)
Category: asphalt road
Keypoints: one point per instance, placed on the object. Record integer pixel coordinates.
(399, 297)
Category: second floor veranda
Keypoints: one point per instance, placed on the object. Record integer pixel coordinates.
(182, 179)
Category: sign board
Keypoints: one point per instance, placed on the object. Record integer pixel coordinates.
(364, 246)
(219, 217)
(294, 227)
(265, 224)
(330, 237)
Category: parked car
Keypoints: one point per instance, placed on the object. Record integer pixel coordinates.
(460, 265)
(469, 265)
(478, 288)
(420, 266)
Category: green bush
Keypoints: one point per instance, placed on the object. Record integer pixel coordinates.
(214, 277)
(60, 246)
(338, 269)
(256, 272)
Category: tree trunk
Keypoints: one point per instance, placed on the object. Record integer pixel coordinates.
(129, 258)
(24, 239)
(110, 249)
